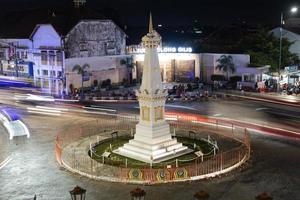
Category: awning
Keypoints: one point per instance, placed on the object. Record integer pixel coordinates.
(294, 76)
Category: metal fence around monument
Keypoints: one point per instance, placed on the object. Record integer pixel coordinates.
(77, 160)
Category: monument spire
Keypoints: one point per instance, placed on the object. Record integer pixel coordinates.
(150, 24)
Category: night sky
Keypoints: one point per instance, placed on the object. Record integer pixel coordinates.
(176, 12)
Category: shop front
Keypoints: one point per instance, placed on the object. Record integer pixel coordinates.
(291, 75)
(21, 69)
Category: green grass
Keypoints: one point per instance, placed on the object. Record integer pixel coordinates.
(117, 160)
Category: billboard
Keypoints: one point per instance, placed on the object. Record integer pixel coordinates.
(184, 70)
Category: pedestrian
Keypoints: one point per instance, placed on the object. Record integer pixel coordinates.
(256, 86)
(240, 86)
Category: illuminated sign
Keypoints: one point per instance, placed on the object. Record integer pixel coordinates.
(164, 50)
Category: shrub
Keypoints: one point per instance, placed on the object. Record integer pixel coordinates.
(217, 77)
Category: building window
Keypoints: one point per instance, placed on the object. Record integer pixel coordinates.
(2, 55)
(59, 74)
(45, 72)
(51, 58)
(23, 55)
(18, 55)
(44, 57)
(59, 58)
(52, 73)
(249, 77)
(38, 72)
(82, 46)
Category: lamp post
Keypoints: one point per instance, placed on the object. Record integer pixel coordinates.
(292, 10)
(138, 194)
(78, 193)
(201, 195)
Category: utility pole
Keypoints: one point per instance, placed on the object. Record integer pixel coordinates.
(280, 48)
(15, 56)
(292, 10)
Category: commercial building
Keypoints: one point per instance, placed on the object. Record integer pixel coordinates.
(291, 75)
(182, 65)
(249, 75)
(39, 57)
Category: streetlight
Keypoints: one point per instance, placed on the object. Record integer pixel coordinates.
(78, 193)
(138, 194)
(292, 10)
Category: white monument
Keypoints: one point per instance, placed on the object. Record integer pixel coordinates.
(152, 142)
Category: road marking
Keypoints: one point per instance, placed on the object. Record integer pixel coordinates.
(258, 109)
(43, 113)
(178, 106)
(217, 115)
(5, 162)
(173, 106)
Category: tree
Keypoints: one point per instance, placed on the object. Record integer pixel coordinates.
(71, 88)
(226, 64)
(263, 49)
(128, 61)
(81, 70)
(261, 45)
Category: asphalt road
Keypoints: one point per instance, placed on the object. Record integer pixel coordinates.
(245, 110)
(274, 165)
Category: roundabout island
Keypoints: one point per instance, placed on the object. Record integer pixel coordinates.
(89, 151)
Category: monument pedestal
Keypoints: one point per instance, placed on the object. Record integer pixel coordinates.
(153, 148)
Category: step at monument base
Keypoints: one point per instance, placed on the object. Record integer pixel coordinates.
(155, 154)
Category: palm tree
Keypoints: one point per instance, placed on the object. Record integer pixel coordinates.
(226, 64)
(81, 70)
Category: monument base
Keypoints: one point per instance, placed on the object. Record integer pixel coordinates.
(153, 148)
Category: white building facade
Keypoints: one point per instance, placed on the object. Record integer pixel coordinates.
(100, 44)
(49, 59)
(209, 63)
(40, 58)
(100, 69)
(90, 38)
(181, 65)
